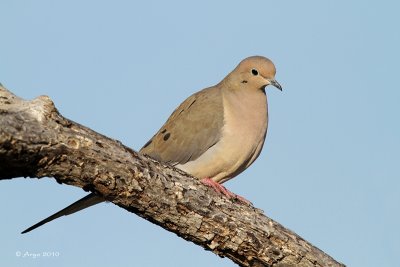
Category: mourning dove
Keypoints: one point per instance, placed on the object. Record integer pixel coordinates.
(215, 134)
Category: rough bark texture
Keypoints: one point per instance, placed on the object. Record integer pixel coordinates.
(36, 141)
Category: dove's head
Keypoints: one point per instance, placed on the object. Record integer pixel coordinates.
(254, 72)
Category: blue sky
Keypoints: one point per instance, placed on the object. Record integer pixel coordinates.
(329, 169)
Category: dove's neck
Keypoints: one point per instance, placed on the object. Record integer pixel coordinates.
(246, 109)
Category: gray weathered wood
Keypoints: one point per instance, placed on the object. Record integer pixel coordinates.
(36, 141)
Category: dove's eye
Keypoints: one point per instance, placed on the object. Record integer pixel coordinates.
(254, 72)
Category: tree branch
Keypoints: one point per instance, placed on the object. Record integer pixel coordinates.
(36, 141)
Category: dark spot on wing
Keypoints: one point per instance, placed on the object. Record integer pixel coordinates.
(191, 104)
(163, 131)
(148, 143)
(166, 136)
(244, 81)
(182, 110)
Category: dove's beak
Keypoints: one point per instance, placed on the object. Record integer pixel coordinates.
(274, 83)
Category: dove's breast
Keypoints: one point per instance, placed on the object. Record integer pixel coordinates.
(242, 138)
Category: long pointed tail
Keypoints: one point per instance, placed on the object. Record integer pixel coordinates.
(81, 204)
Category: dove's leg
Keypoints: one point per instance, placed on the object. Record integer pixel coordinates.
(218, 187)
(222, 189)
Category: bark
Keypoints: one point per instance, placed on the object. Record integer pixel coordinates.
(36, 141)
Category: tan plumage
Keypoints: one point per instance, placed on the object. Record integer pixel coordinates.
(216, 133)
(190, 130)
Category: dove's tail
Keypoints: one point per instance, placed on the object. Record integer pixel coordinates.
(81, 204)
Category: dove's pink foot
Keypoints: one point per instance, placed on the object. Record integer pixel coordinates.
(218, 187)
(221, 189)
